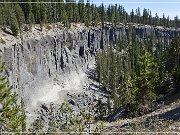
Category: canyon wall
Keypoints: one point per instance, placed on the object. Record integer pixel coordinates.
(41, 69)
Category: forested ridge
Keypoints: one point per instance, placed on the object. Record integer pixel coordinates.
(52, 11)
(136, 72)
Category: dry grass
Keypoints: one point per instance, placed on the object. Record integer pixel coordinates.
(158, 121)
(144, 125)
(151, 124)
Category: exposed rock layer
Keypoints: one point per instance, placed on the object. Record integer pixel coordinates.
(42, 69)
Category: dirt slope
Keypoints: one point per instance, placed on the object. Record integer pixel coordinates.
(165, 119)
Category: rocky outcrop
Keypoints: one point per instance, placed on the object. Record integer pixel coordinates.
(38, 67)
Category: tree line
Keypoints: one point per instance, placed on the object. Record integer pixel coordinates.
(68, 11)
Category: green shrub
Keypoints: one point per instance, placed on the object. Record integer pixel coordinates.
(2, 41)
(12, 116)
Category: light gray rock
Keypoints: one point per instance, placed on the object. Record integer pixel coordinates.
(1, 106)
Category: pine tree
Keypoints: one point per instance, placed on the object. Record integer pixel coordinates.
(54, 11)
(81, 10)
(27, 10)
(164, 20)
(128, 94)
(167, 22)
(76, 14)
(61, 10)
(3, 14)
(20, 16)
(102, 14)
(88, 14)
(124, 16)
(145, 16)
(112, 68)
(132, 16)
(176, 21)
(12, 116)
(172, 58)
(147, 78)
(109, 14)
(8, 10)
(43, 9)
(156, 20)
(98, 67)
(70, 10)
(96, 18)
(120, 11)
(65, 20)
(113, 15)
(150, 18)
(138, 13)
(116, 15)
(14, 25)
(36, 11)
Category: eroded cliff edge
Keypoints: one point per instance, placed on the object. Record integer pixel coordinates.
(42, 68)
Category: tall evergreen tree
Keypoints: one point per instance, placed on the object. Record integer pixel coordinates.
(164, 20)
(43, 9)
(12, 116)
(132, 16)
(36, 11)
(102, 14)
(88, 14)
(145, 16)
(20, 16)
(96, 17)
(81, 10)
(156, 20)
(147, 78)
(113, 14)
(27, 10)
(61, 10)
(14, 25)
(150, 19)
(3, 14)
(70, 9)
(138, 13)
(176, 22)
(116, 15)
(65, 20)
(109, 14)
(76, 14)
(168, 22)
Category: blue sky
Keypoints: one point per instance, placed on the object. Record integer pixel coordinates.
(170, 8)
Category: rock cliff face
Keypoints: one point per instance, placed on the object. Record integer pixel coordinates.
(42, 69)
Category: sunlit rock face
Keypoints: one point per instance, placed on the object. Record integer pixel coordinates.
(44, 69)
